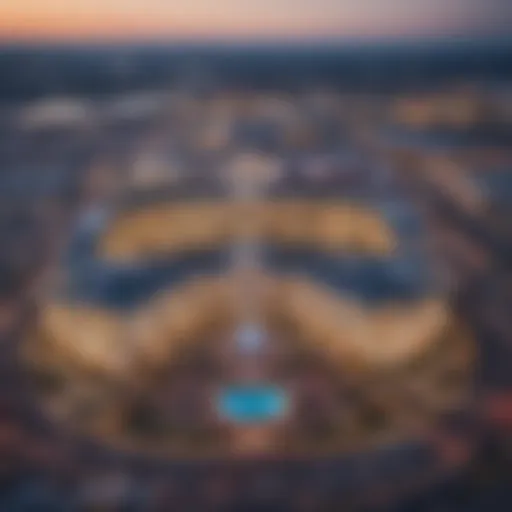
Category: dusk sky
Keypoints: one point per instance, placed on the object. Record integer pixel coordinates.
(255, 20)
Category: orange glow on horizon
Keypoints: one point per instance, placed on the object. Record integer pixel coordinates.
(155, 19)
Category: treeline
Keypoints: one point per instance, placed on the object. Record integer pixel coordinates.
(31, 71)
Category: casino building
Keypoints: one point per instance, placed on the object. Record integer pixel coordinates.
(253, 314)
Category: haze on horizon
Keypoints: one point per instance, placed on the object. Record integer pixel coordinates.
(138, 20)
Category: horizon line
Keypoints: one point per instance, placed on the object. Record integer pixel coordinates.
(234, 42)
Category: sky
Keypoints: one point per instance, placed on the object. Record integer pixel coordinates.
(75, 20)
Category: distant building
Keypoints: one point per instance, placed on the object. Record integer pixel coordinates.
(152, 169)
(57, 113)
(460, 109)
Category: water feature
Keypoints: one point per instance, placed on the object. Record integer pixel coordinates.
(253, 403)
